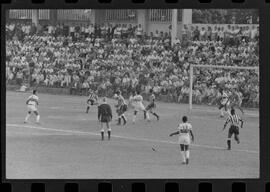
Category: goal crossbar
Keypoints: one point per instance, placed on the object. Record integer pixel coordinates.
(210, 66)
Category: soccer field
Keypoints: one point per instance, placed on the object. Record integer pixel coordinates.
(67, 143)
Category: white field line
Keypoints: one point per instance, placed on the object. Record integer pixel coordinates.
(217, 112)
(11, 134)
(123, 137)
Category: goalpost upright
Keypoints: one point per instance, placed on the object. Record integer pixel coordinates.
(192, 66)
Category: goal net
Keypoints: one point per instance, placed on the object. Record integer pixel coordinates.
(207, 80)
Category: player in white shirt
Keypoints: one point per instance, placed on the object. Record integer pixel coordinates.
(224, 103)
(131, 100)
(137, 103)
(185, 138)
(32, 103)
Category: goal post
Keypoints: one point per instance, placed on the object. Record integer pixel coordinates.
(191, 75)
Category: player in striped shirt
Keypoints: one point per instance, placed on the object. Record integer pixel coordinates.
(32, 103)
(224, 103)
(234, 121)
(121, 107)
(152, 105)
(92, 100)
(185, 138)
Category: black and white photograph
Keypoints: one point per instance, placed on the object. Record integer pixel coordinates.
(132, 93)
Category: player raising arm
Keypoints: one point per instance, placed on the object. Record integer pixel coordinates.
(234, 120)
(185, 138)
(32, 103)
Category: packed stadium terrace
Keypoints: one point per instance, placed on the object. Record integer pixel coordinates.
(110, 57)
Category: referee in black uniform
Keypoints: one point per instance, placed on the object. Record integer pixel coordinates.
(234, 120)
(104, 117)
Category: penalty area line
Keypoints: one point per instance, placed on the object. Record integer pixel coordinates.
(124, 137)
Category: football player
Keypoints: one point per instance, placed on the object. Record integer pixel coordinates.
(121, 107)
(92, 100)
(32, 103)
(152, 105)
(185, 138)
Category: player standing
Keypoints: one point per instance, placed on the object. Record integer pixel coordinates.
(137, 102)
(152, 105)
(224, 103)
(32, 103)
(92, 100)
(104, 117)
(185, 138)
(121, 107)
(131, 100)
(234, 120)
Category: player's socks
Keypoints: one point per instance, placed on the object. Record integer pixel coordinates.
(134, 118)
(27, 117)
(109, 135)
(183, 156)
(229, 144)
(237, 139)
(147, 116)
(119, 121)
(87, 109)
(102, 135)
(124, 119)
(187, 154)
(38, 117)
(156, 116)
(144, 114)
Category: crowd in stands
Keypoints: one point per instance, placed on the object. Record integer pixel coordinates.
(109, 57)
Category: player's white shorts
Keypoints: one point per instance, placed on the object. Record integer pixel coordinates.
(225, 102)
(184, 139)
(31, 108)
(139, 107)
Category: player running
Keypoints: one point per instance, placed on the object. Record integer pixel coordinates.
(121, 107)
(92, 100)
(137, 102)
(104, 117)
(32, 103)
(224, 103)
(237, 98)
(152, 105)
(234, 120)
(185, 138)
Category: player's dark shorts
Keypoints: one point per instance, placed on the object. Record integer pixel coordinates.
(122, 109)
(91, 101)
(105, 119)
(150, 106)
(233, 130)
